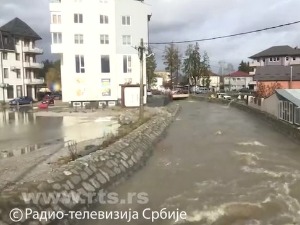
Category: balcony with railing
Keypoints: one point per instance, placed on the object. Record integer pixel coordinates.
(33, 65)
(34, 50)
(255, 63)
(34, 81)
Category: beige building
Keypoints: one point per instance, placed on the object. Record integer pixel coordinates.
(165, 75)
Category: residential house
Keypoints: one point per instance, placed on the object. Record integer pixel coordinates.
(238, 80)
(96, 41)
(278, 64)
(215, 81)
(19, 73)
(283, 104)
(158, 84)
(165, 75)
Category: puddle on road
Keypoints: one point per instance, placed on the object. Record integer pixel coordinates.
(33, 133)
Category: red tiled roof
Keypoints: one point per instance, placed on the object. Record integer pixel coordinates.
(239, 74)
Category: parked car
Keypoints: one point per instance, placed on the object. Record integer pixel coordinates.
(149, 93)
(43, 105)
(49, 99)
(41, 95)
(57, 95)
(202, 90)
(245, 90)
(21, 101)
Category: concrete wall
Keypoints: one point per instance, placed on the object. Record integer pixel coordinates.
(269, 105)
(90, 174)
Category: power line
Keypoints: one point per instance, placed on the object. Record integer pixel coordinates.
(227, 36)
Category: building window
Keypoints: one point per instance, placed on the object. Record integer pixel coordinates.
(286, 110)
(56, 19)
(105, 64)
(127, 64)
(28, 74)
(5, 73)
(126, 39)
(79, 62)
(4, 55)
(78, 18)
(18, 56)
(27, 58)
(291, 111)
(103, 19)
(78, 38)
(297, 116)
(294, 58)
(26, 43)
(5, 40)
(56, 38)
(18, 73)
(287, 58)
(19, 91)
(10, 91)
(104, 39)
(126, 20)
(17, 41)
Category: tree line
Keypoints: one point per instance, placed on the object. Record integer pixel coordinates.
(194, 65)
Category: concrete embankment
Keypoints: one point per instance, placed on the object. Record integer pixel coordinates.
(90, 174)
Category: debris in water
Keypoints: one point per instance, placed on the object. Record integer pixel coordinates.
(252, 143)
(219, 132)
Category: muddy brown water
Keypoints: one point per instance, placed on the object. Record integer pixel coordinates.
(220, 165)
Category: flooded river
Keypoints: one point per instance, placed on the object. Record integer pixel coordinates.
(223, 167)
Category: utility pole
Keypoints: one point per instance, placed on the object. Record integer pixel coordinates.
(291, 78)
(141, 50)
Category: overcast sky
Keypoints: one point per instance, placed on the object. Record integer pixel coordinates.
(177, 20)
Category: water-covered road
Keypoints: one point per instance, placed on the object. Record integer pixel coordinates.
(223, 167)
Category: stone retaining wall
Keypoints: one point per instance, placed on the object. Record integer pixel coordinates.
(287, 129)
(98, 171)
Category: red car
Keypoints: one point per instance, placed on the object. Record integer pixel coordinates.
(49, 99)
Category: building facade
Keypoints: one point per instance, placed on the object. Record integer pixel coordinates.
(278, 64)
(237, 80)
(19, 73)
(96, 41)
(214, 84)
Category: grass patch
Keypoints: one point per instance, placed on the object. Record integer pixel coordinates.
(109, 139)
(123, 130)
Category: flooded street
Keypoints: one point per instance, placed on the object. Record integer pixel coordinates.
(223, 167)
(20, 129)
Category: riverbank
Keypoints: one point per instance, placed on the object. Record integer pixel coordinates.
(94, 172)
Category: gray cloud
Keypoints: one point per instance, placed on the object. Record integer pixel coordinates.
(176, 20)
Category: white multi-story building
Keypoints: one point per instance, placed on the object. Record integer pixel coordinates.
(18, 61)
(96, 41)
(238, 80)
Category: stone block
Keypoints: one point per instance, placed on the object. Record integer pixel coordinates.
(75, 179)
(88, 187)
